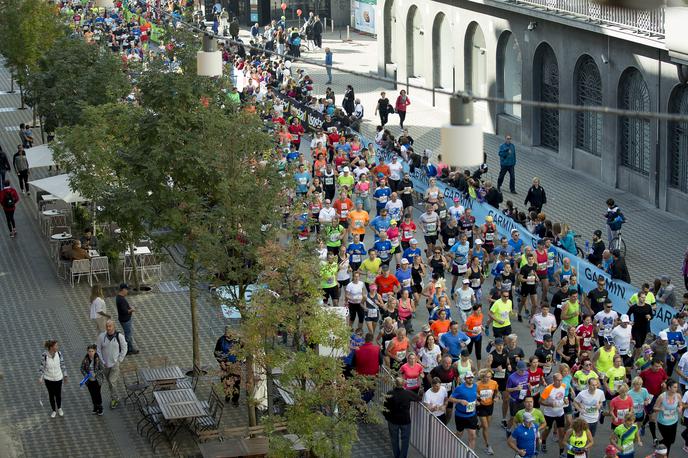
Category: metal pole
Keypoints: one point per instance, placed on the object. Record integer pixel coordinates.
(407, 85)
(348, 37)
(433, 96)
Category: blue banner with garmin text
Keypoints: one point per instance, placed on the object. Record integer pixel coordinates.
(619, 291)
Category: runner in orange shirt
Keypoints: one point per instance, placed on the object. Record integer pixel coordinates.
(488, 390)
(473, 327)
(358, 220)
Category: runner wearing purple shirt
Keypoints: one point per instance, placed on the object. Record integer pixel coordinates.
(517, 387)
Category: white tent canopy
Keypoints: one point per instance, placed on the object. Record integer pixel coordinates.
(40, 156)
(58, 186)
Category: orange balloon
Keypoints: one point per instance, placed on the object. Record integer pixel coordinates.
(299, 12)
(283, 6)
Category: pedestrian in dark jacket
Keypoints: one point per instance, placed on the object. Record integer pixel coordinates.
(317, 32)
(8, 200)
(93, 367)
(618, 269)
(536, 196)
(21, 166)
(4, 167)
(398, 416)
(348, 102)
(234, 28)
(492, 195)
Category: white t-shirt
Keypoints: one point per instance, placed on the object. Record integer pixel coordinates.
(465, 299)
(543, 325)
(360, 170)
(436, 399)
(683, 367)
(606, 321)
(326, 215)
(591, 412)
(355, 291)
(98, 305)
(456, 212)
(685, 400)
(428, 358)
(395, 170)
(556, 397)
(622, 339)
(395, 209)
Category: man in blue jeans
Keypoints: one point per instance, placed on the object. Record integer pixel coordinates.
(125, 314)
(398, 416)
(507, 162)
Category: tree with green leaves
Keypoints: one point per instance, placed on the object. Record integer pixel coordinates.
(73, 75)
(28, 29)
(326, 406)
(96, 155)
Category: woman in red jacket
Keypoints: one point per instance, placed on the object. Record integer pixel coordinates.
(402, 102)
(8, 201)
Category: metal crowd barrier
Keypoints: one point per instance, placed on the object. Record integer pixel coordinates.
(429, 436)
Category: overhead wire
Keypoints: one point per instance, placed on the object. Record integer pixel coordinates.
(670, 117)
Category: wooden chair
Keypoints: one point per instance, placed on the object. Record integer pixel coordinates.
(157, 361)
(134, 387)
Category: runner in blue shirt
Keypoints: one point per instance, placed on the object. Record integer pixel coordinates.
(454, 341)
(381, 223)
(303, 179)
(381, 196)
(384, 248)
(411, 251)
(524, 438)
(403, 274)
(515, 242)
(465, 397)
(356, 251)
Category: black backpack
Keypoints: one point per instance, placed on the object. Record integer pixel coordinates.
(8, 200)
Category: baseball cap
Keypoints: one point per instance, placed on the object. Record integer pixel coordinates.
(393, 222)
(413, 242)
(465, 281)
(123, 286)
(456, 199)
(404, 261)
(498, 341)
(616, 253)
(380, 175)
(514, 230)
(624, 318)
(385, 267)
(610, 450)
(468, 374)
(465, 352)
(665, 278)
(547, 337)
(372, 286)
(527, 416)
(521, 365)
(663, 335)
(478, 242)
(346, 169)
(426, 328)
(598, 233)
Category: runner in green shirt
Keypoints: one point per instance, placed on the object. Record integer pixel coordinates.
(334, 233)
(328, 279)
(625, 436)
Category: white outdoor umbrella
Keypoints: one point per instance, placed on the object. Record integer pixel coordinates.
(58, 186)
(40, 156)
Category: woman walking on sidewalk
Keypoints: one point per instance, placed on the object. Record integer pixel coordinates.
(92, 367)
(400, 106)
(53, 373)
(98, 309)
(8, 201)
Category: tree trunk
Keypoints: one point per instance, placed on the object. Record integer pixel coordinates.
(11, 83)
(21, 97)
(134, 267)
(250, 388)
(193, 294)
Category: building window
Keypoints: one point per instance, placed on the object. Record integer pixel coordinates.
(634, 133)
(678, 140)
(547, 82)
(509, 78)
(588, 93)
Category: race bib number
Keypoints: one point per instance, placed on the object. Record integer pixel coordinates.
(535, 389)
(431, 227)
(443, 214)
(586, 342)
(370, 277)
(485, 394)
(522, 394)
(541, 265)
(451, 241)
(406, 282)
(617, 384)
(433, 195)
(499, 373)
(623, 351)
(395, 242)
(530, 280)
(408, 234)
(591, 409)
(358, 224)
(412, 382)
(448, 386)
(462, 268)
(489, 236)
(401, 355)
(385, 296)
(470, 407)
(344, 213)
(382, 199)
(621, 413)
(334, 237)
(669, 414)
(364, 194)
(303, 181)
(355, 258)
(475, 282)
(329, 181)
(372, 312)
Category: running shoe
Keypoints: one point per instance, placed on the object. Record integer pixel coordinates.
(544, 448)
(489, 450)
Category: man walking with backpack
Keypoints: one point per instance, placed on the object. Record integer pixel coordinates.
(112, 349)
(8, 200)
(507, 163)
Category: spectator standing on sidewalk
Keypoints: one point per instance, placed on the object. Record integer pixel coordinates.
(536, 196)
(398, 416)
(21, 166)
(125, 316)
(349, 97)
(402, 102)
(98, 309)
(383, 108)
(317, 32)
(53, 373)
(8, 200)
(112, 349)
(507, 163)
(328, 63)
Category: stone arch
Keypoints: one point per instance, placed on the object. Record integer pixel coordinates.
(635, 134)
(678, 140)
(509, 73)
(442, 67)
(588, 92)
(414, 43)
(475, 60)
(546, 89)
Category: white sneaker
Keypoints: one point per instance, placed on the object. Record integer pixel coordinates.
(60, 412)
(489, 450)
(53, 415)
